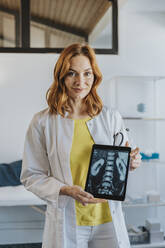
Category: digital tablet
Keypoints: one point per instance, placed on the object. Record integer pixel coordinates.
(108, 172)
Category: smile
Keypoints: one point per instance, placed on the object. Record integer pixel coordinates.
(77, 90)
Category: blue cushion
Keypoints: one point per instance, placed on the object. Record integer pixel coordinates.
(10, 173)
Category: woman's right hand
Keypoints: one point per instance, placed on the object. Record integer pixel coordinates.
(80, 195)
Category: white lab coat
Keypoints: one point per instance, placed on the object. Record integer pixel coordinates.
(46, 168)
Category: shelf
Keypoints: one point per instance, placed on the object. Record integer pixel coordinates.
(144, 118)
(136, 205)
(152, 161)
(152, 245)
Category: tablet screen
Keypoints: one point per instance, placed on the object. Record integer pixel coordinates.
(108, 172)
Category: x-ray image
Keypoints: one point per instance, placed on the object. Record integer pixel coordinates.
(107, 174)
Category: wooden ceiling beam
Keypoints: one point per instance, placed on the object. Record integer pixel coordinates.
(49, 23)
(9, 11)
(61, 27)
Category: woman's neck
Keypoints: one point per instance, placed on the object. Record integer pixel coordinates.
(78, 110)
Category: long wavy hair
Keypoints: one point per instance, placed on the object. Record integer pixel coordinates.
(56, 96)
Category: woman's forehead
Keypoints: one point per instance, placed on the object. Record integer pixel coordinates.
(80, 62)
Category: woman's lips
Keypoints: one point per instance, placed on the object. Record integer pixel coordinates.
(78, 90)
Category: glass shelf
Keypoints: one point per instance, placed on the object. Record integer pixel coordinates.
(152, 245)
(145, 204)
(144, 118)
(152, 162)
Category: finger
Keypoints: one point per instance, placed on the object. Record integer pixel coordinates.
(101, 200)
(83, 192)
(127, 144)
(133, 168)
(135, 151)
(135, 160)
(86, 201)
(136, 157)
(82, 200)
(86, 194)
(134, 165)
(97, 200)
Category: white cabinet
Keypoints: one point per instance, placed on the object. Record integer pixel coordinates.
(141, 102)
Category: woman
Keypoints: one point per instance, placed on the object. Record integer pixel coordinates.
(57, 151)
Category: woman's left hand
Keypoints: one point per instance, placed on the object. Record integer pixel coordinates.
(135, 158)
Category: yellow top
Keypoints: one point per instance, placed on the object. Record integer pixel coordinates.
(91, 214)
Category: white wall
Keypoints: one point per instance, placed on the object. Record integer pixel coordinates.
(141, 39)
(24, 78)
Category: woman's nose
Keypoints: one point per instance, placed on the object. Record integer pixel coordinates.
(80, 79)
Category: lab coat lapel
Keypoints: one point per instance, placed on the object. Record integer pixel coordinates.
(65, 128)
(99, 131)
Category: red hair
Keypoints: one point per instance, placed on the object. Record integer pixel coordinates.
(56, 95)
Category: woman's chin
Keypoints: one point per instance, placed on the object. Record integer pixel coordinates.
(78, 97)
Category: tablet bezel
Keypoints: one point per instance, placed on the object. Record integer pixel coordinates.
(111, 148)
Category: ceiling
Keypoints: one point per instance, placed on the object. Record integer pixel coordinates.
(78, 17)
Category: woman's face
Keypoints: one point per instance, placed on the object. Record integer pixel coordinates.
(80, 77)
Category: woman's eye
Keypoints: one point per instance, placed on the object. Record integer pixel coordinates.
(88, 74)
(71, 74)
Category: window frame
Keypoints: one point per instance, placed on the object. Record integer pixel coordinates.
(22, 20)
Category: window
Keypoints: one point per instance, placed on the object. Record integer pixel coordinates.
(48, 26)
